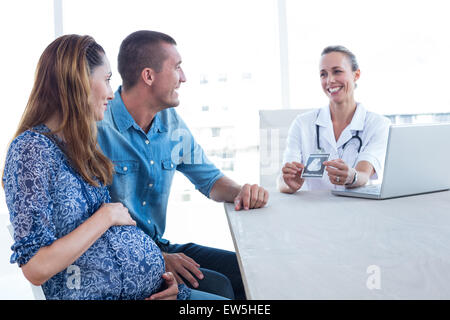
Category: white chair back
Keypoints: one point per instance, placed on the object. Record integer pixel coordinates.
(38, 293)
(273, 128)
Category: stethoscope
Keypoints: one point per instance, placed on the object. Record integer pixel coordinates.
(356, 136)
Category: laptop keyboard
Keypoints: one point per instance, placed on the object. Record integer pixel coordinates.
(370, 189)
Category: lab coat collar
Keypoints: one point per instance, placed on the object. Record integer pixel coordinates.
(324, 117)
(359, 118)
(323, 120)
(357, 124)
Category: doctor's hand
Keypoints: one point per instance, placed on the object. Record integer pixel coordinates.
(251, 197)
(292, 176)
(339, 172)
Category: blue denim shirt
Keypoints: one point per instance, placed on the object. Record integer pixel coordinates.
(146, 162)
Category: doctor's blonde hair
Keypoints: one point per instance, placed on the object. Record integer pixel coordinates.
(351, 57)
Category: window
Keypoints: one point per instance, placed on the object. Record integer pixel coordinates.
(400, 47)
(27, 28)
(215, 132)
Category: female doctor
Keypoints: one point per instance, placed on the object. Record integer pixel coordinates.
(355, 138)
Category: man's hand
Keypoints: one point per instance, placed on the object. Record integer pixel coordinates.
(251, 197)
(170, 293)
(246, 197)
(180, 265)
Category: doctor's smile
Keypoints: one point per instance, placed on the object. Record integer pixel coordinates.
(334, 90)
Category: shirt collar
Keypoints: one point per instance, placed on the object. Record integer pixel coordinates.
(124, 120)
(158, 124)
(122, 117)
(324, 118)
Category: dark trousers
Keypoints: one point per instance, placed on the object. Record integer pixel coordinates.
(219, 267)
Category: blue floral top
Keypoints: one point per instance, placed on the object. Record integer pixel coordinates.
(48, 199)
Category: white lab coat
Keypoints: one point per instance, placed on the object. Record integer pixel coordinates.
(301, 142)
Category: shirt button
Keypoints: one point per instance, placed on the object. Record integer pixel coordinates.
(171, 165)
(144, 203)
(148, 221)
(152, 162)
(125, 168)
(147, 142)
(150, 185)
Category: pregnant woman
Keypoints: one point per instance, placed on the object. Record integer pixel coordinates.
(55, 179)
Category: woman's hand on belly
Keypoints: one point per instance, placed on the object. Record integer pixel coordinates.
(117, 214)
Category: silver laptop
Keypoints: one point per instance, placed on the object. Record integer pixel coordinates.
(416, 162)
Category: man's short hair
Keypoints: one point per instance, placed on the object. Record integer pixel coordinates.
(141, 49)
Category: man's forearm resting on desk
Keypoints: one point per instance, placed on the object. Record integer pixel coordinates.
(244, 197)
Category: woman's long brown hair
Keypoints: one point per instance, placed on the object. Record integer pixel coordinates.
(62, 87)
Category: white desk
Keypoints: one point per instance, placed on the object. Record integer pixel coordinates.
(313, 245)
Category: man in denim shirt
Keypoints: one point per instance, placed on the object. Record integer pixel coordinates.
(147, 141)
